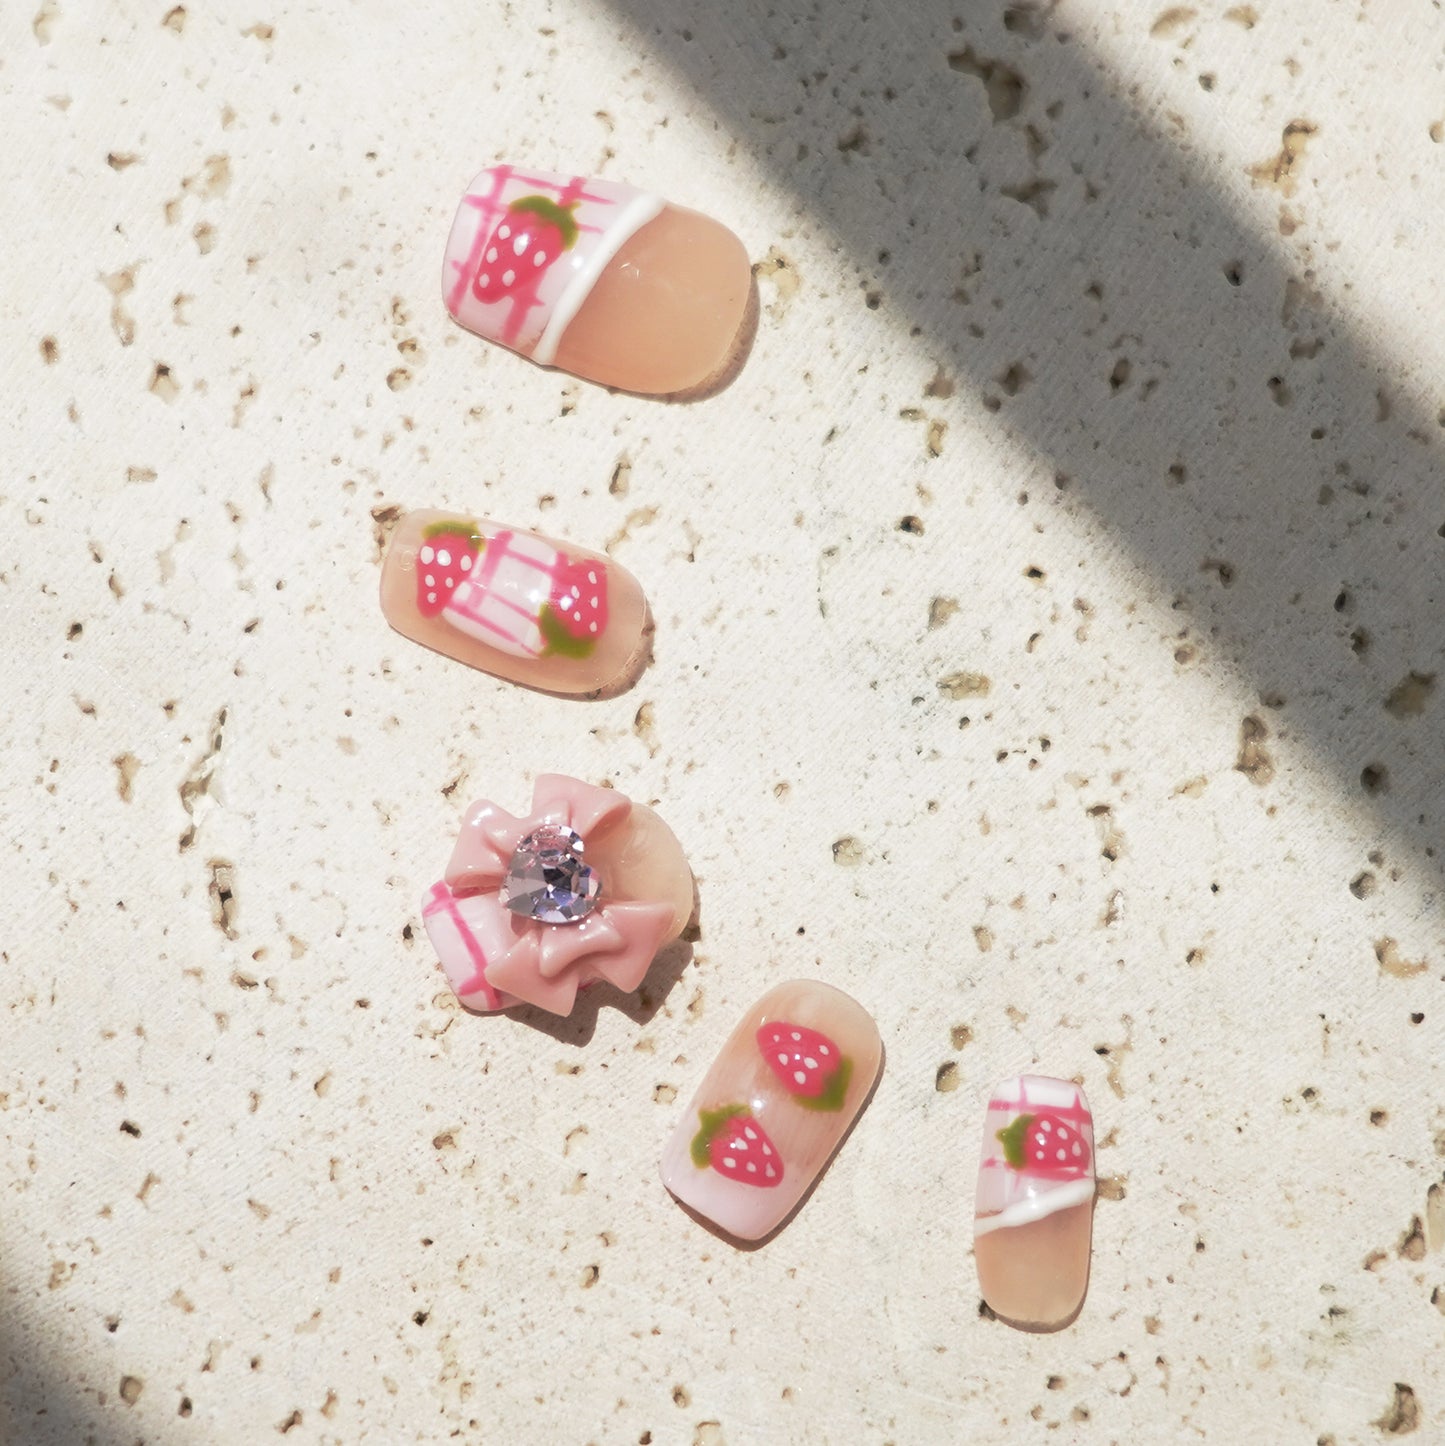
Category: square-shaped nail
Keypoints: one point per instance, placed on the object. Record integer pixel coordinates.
(513, 603)
(1034, 1208)
(598, 278)
(775, 1105)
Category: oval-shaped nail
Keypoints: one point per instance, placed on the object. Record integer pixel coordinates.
(512, 603)
(775, 1105)
(602, 280)
(1034, 1210)
(587, 885)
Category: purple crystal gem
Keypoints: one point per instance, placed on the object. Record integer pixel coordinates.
(547, 879)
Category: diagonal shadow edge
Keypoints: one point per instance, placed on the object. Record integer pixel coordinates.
(1285, 438)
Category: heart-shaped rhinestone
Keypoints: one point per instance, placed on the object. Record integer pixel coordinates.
(547, 880)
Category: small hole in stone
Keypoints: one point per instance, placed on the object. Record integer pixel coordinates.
(1374, 778)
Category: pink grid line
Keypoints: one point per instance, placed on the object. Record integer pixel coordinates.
(490, 207)
(1074, 1114)
(442, 901)
(481, 621)
(477, 592)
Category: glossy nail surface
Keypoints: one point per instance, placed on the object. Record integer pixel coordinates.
(602, 280)
(512, 603)
(1034, 1211)
(774, 1106)
(587, 886)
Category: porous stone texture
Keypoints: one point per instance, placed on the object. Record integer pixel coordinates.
(1057, 588)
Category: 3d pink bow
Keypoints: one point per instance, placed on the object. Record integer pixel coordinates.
(541, 963)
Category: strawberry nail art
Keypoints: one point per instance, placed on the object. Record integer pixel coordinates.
(1033, 1212)
(512, 603)
(776, 1104)
(587, 886)
(732, 1142)
(811, 1067)
(596, 277)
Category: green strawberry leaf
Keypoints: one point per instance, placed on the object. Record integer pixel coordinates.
(447, 529)
(831, 1100)
(712, 1122)
(559, 641)
(1012, 1140)
(552, 214)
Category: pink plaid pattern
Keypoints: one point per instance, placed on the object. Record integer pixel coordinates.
(461, 952)
(499, 604)
(1000, 1185)
(519, 319)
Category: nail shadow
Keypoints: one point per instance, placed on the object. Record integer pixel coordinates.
(736, 359)
(737, 1242)
(637, 664)
(576, 1029)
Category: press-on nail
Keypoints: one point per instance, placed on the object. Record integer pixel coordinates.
(587, 886)
(775, 1105)
(1034, 1211)
(595, 277)
(511, 603)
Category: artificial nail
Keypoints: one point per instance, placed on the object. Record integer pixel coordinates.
(775, 1105)
(1034, 1210)
(604, 281)
(511, 603)
(587, 886)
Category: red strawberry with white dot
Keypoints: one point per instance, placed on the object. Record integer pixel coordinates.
(447, 556)
(812, 1068)
(734, 1144)
(1044, 1144)
(531, 235)
(579, 599)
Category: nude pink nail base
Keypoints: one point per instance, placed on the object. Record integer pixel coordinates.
(775, 1105)
(1033, 1211)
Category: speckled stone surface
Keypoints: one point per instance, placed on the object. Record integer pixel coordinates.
(1057, 590)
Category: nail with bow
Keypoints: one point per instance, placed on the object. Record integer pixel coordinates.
(589, 885)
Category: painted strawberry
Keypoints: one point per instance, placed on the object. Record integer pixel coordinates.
(531, 235)
(733, 1143)
(576, 616)
(812, 1068)
(448, 553)
(1044, 1144)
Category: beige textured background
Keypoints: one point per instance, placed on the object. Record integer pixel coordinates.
(1048, 627)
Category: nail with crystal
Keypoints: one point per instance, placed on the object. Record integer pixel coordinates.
(774, 1107)
(587, 886)
(514, 604)
(602, 280)
(1034, 1210)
